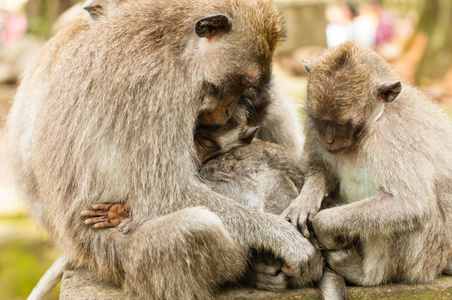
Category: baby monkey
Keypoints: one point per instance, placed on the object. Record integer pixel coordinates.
(210, 141)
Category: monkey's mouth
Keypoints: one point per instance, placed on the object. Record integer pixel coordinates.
(336, 147)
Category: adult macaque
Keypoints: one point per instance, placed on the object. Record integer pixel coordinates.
(112, 117)
(387, 149)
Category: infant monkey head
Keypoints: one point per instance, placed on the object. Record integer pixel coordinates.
(347, 93)
(211, 141)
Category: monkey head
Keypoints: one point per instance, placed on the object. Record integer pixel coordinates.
(211, 141)
(347, 94)
(229, 75)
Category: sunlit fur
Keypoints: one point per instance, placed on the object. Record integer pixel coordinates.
(394, 182)
(107, 114)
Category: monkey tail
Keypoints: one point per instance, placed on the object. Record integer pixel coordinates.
(49, 280)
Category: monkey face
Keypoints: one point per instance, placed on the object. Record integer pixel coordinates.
(211, 141)
(226, 95)
(335, 137)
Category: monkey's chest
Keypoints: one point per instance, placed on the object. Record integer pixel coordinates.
(356, 183)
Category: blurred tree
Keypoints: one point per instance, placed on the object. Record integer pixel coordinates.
(42, 13)
(436, 21)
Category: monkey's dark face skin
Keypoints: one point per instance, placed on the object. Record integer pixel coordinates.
(237, 88)
(336, 137)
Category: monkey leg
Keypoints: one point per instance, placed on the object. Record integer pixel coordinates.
(348, 263)
(183, 255)
(332, 285)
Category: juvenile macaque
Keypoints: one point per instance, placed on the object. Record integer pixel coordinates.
(383, 151)
(111, 119)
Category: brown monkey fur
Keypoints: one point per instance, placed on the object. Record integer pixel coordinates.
(113, 115)
(386, 147)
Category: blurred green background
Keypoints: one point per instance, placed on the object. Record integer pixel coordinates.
(419, 48)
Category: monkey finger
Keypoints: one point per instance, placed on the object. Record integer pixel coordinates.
(94, 213)
(303, 226)
(290, 217)
(90, 221)
(102, 206)
(124, 228)
(289, 270)
(311, 215)
(102, 225)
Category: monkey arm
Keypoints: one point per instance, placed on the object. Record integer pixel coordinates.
(318, 182)
(380, 215)
(250, 228)
(263, 231)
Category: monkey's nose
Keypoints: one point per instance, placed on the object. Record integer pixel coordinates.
(330, 142)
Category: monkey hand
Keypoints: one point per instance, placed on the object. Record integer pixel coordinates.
(312, 271)
(299, 215)
(106, 215)
(328, 233)
(297, 252)
(265, 273)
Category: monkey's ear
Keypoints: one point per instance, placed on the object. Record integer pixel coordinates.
(93, 8)
(248, 135)
(307, 65)
(390, 90)
(213, 25)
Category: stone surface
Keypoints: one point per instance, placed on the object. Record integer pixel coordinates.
(79, 284)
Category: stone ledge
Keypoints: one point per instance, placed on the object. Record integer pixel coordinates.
(79, 284)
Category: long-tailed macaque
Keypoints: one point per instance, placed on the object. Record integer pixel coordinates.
(112, 114)
(383, 151)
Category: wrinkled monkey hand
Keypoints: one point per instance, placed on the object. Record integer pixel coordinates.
(329, 233)
(106, 215)
(299, 214)
(298, 254)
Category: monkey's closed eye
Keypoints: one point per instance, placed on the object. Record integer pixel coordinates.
(207, 143)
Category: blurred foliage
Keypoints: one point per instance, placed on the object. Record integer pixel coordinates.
(436, 21)
(42, 14)
(25, 254)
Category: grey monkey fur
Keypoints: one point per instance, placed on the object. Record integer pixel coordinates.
(86, 127)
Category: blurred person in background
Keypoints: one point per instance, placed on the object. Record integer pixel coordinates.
(383, 22)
